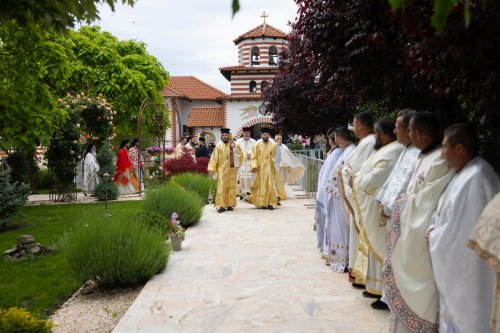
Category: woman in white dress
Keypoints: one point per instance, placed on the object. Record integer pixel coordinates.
(90, 169)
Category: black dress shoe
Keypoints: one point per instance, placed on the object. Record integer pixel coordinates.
(379, 305)
(270, 207)
(221, 209)
(241, 197)
(230, 209)
(357, 285)
(368, 294)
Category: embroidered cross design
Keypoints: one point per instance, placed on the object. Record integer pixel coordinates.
(421, 178)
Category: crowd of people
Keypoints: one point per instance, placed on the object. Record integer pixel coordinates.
(397, 211)
(250, 169)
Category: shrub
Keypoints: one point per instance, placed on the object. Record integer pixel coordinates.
(196, 183)
(104, 189)
(169, 198)
(105, 158)
(115, 252)
(18, 320)
(155, 220)
(12, 197)
(19, 167)
(44, 180)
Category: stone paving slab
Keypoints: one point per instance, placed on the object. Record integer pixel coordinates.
(251, 270)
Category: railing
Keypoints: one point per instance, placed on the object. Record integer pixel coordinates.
(318, 153)
(309, 182)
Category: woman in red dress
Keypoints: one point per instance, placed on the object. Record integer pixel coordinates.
(125, 178)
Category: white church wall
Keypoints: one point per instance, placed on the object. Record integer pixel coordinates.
(240, 113)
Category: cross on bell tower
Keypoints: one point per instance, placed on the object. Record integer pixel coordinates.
(264, 16)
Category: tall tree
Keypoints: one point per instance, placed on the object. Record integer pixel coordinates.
(122, 71)
(58, 15)
(37, 67)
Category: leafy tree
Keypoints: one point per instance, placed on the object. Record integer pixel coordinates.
(122, 71)
(342, 55)
(53, 14)
(30, 62)
(441, 10)
(36, 67)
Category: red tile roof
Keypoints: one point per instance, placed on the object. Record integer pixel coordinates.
(226, 71)
(201, 117)
(191, 88)
(263, 30)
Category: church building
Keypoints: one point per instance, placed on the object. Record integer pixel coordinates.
(202, 110)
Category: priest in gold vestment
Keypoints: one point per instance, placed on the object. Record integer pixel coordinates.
(267, 185)
(224, 162)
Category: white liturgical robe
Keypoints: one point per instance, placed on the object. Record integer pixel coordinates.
(464, 281)
(408, 277)
(353, 164)
(485, 240)
(322, 195)
(337, 222)
(245, 176)
(398, 180)
(372, 240)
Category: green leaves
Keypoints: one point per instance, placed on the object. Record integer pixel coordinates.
(235, 6)
(38, 66)
(58, 15)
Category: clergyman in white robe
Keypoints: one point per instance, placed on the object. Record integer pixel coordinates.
(408, 278)
(337, 221)
(245, 176)
(322, 197)
(464, 281)
(372, 236)
(485, 240)
(353, 164)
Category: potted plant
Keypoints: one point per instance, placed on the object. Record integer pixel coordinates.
(153, 150)
(177, 233)
(169, 150)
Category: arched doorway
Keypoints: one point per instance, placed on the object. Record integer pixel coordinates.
(256, 124)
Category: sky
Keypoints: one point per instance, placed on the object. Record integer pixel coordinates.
(194, 37)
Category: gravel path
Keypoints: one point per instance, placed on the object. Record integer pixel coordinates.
(93, 310)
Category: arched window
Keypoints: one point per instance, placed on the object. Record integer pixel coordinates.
(253, 86)
(263, 84)
(255, 56)
(273, 56)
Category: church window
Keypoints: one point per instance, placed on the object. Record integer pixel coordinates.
(253, 86)
(273, 56)
(255, 56)
(263, 84)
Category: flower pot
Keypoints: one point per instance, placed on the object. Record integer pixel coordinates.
(176, 242)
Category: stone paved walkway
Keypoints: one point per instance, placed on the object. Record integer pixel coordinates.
(251, 270)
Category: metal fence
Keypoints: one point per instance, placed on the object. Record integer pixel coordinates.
(313, 164)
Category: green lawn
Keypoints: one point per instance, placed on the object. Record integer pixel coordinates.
(42, 285)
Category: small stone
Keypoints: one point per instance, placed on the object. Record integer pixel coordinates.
(35, 250)
(9, 252)
(25, 239)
